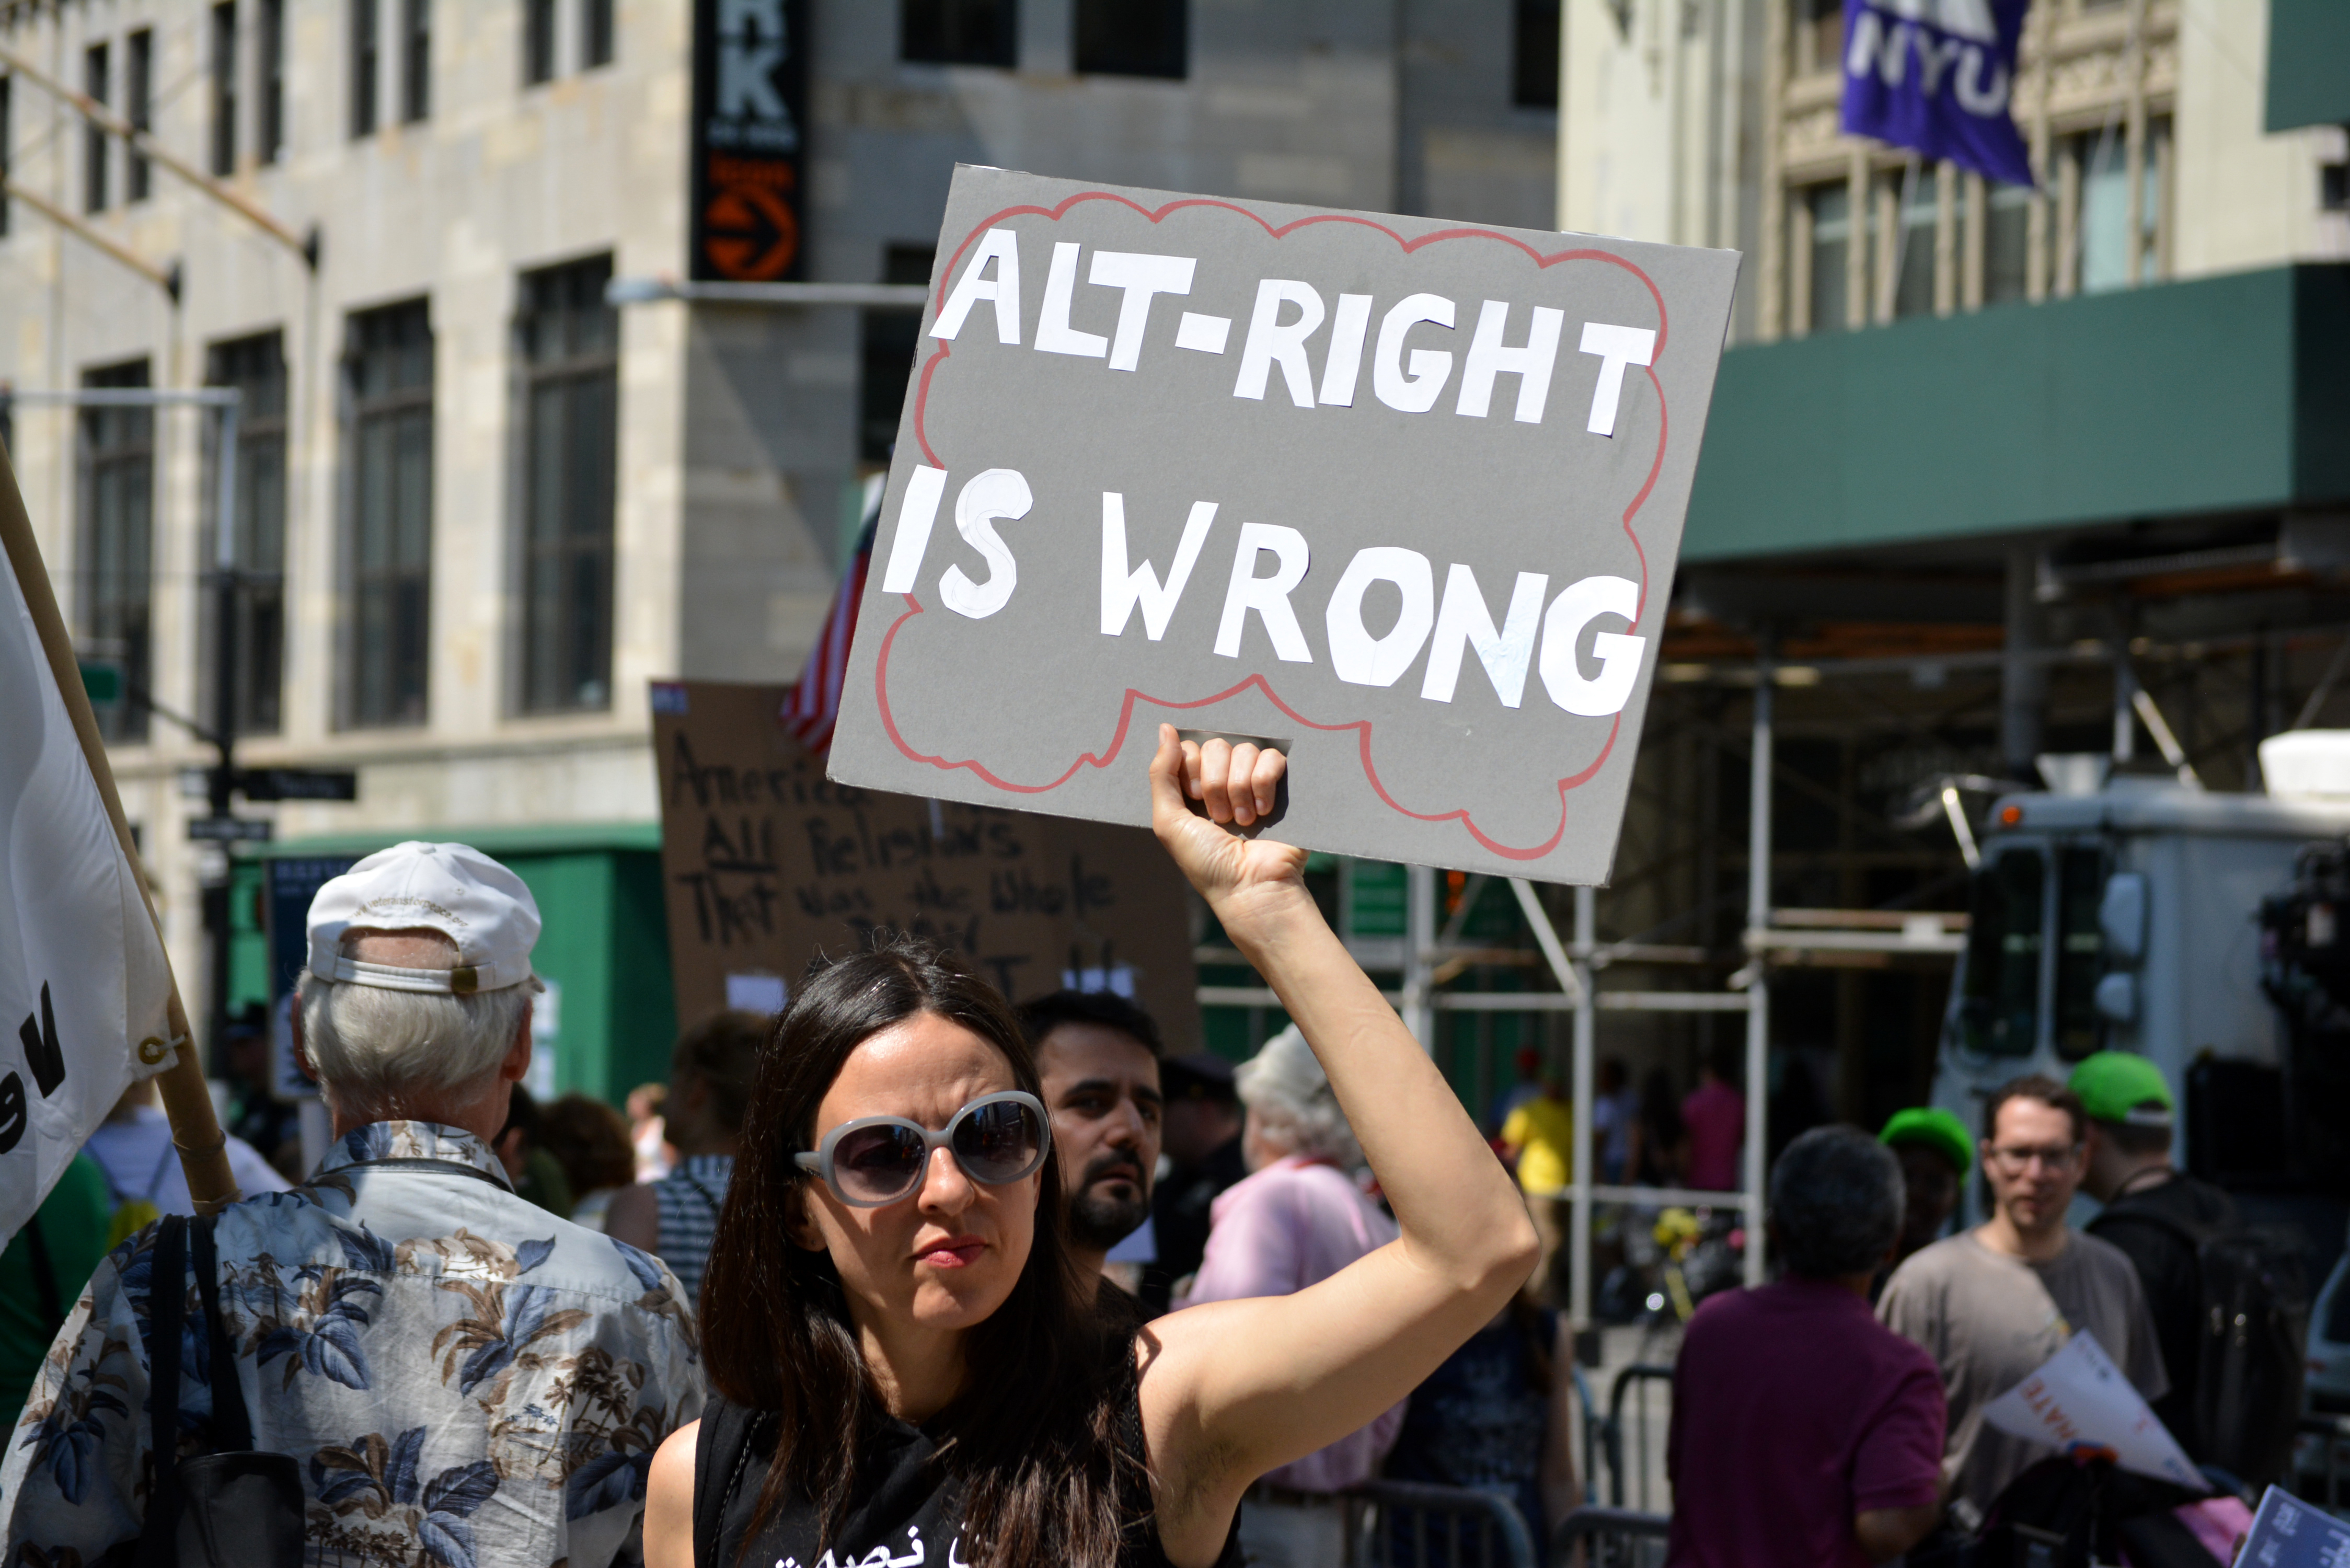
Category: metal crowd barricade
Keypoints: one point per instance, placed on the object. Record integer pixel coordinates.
(2333, 1435)
(1411, 1524)
(1615, 1432)
(1612, 1537)
(1594, 1426)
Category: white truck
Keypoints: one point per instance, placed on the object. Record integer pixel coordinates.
(2128, 916)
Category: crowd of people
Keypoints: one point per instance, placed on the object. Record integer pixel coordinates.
(908, 1265)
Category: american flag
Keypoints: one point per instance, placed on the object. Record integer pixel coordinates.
(812, 707)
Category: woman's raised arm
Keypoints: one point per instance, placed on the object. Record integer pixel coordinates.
(1232, 1389)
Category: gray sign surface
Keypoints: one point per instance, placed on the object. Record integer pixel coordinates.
(1403, 493)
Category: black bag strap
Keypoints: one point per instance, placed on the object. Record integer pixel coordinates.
(44, 1276)
(720, 1454)
(2195, 1235)
(167, 1294)
(232, 1423)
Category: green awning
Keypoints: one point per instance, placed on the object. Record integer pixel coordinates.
(519, 838)
(2224, 394)
(2309, 63)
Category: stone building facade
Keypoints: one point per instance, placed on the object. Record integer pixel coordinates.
(480, 508)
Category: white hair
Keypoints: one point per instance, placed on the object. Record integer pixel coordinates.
(1295, 1107)
(379, 1052)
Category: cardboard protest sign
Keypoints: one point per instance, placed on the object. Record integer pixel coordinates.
(2080, 1398)
(1404, 496)
(766, 863)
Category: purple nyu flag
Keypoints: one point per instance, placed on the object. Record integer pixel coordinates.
(1936, 75)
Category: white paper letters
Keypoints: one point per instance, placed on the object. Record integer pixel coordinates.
(1269, 597)
(998, 494)
(1356, 655)
(1121, 590)
(1618, 654)
(1001, 247)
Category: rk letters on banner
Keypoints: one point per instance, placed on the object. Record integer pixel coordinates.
(766, 863)
(1403, 495)
(750, 114)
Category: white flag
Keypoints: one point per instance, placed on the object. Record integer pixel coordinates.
(84, 985)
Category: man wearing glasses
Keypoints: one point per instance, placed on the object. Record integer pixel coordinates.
(1993, 1303)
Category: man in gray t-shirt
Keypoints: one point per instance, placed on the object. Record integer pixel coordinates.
(1992, 1305)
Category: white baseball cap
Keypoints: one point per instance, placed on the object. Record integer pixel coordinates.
(451, 888)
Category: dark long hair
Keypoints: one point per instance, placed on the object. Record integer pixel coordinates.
(1031, 1441)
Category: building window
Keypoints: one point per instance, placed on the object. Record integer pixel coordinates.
(888, 340)
(1827, 295)
(139, 109)
(223, 88)
(1816, 36)
(256, 366)
(1133, 37)
(387, 370)
(415, 59)
(1533, 67)
(94, 82)
(2154, 214)
(366, 32)
(1915, 203)
(2101, 226)
(114, 555)
(270, 132)
(570, 348)
(959, 32)
(538, 42)
(596, 40)
(2007, 244)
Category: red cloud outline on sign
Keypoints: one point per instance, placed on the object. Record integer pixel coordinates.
(1362, 727)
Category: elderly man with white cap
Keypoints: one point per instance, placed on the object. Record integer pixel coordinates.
(461, 1379)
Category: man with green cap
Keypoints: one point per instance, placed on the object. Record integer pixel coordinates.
(1936, 1153)
(2151, 1208)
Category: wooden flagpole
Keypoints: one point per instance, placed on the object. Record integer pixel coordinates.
(195, 1128)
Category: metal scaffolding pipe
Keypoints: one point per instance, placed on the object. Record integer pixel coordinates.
(1758, 918)
(165, 278)
(1580, 1174)
(146, 146)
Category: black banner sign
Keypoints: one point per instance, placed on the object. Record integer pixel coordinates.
(750, 118)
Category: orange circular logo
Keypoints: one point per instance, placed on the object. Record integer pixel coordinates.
(750, 233)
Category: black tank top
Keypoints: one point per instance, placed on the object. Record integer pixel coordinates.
(906, 1514)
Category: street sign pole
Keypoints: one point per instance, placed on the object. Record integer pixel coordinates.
(218, 917)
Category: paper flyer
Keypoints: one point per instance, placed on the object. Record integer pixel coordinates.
(2288, 1533)
(2081, 1398)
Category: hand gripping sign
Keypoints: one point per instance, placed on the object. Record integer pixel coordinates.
(1403, 495)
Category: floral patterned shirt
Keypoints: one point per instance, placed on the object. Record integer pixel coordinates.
(465, 1380)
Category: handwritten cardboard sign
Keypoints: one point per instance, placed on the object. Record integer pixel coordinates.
(1405, 494)
(2081, 1398)
(766, 863)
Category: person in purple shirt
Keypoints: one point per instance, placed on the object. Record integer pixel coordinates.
(1804, 1432)
(1715, 1115)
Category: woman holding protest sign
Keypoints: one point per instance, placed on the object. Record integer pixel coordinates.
(904, 1365)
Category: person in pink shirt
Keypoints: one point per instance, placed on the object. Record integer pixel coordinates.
(1715, 1115)
(1297, 1219)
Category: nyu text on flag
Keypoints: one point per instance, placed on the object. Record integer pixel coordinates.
(1937, 76)
(84, 984)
